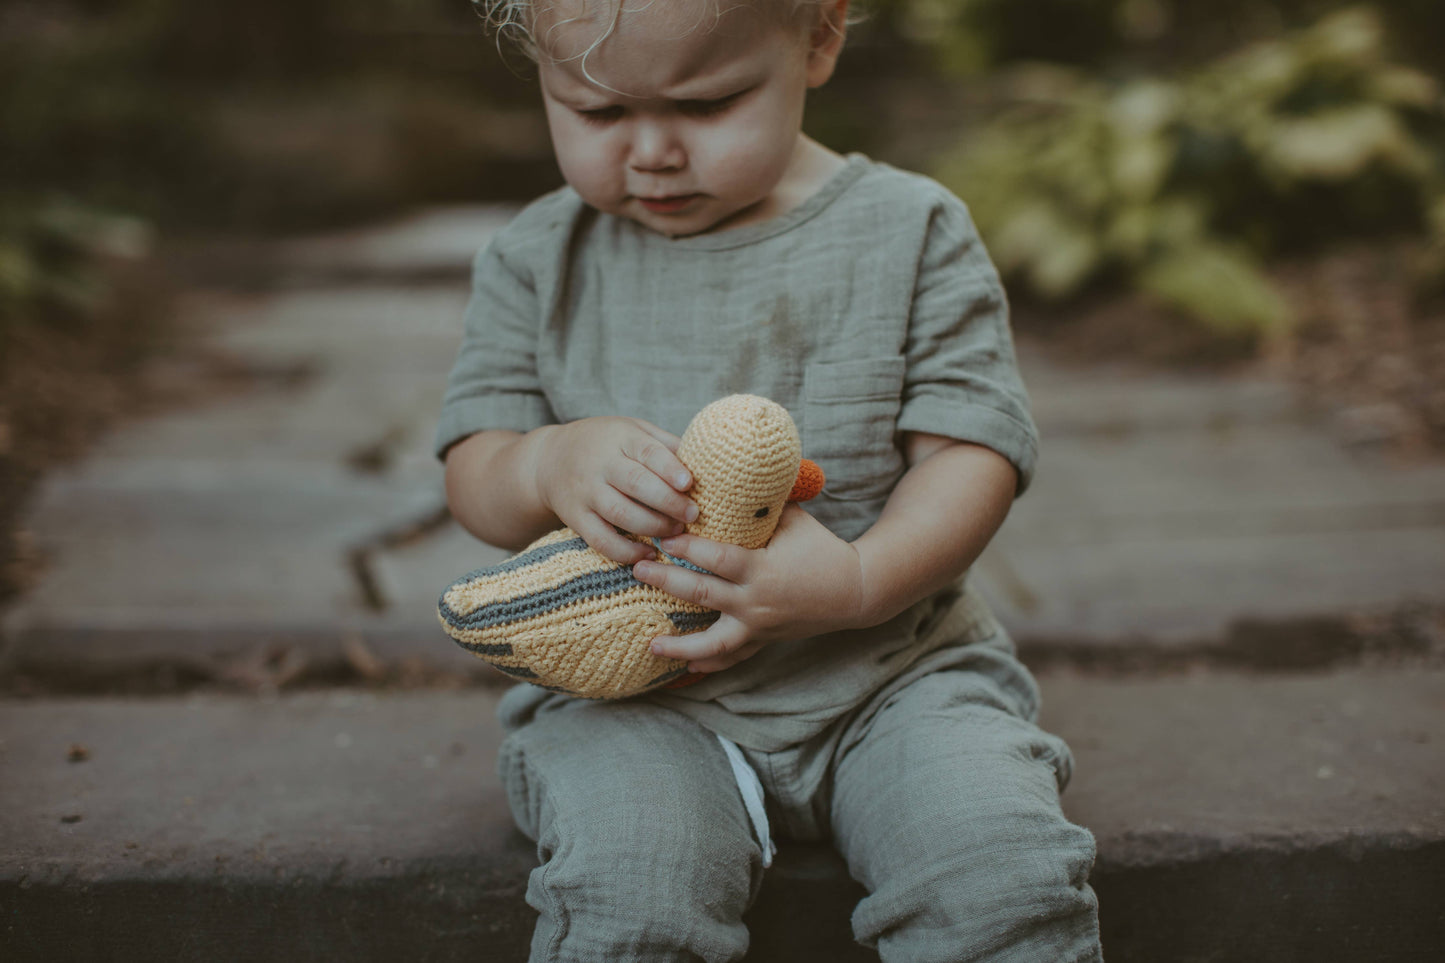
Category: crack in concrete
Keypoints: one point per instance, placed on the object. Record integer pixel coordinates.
(1412, 634)
(1232, 523)
(360, 558)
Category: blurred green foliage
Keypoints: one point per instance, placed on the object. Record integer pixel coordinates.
(972, 36)
(300, 113)
(273, 113)
(1184, 188)
(54, 260)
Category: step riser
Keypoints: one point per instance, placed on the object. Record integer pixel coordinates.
(1322, 906)
(440, 915)
(1311, 907)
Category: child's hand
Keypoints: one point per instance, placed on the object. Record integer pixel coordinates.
(597, 473)
(806, 581)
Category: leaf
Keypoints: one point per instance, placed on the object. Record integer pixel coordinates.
(19, 276)
(1137, 230)
(1143, 107)
(1338, 145)
(1405, 87)
(1056, 255)
(1435, 217)
(1218, 286)
(1063, 266)
(1140, 165)
(1354, 36)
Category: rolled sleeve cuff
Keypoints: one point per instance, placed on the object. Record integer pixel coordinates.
(468, 416)
(1013, 439)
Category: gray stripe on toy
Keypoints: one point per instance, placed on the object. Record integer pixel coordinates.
(567, 618)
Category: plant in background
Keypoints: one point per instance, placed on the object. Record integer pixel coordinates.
(262, 116)
(1183, 189)
(970, 36)
(53, 258)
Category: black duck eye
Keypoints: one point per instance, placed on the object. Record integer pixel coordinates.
(761, 512)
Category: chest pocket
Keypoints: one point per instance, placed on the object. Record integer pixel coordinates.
(850, 419)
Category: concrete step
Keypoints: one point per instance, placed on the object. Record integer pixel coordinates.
(1168, 507)
(1239, 817)
(1156, 539)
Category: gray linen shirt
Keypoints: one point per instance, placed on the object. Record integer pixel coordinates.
(869, 310)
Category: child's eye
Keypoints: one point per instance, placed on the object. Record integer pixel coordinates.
(601, 115)
(707, 108)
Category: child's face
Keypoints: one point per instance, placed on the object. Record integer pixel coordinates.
(703, 119)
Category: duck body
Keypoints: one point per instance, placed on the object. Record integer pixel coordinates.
(561, 615)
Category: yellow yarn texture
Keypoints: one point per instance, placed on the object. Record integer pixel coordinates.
(563, 616)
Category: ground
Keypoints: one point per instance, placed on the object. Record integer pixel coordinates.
(1367, 351)
(65, 379)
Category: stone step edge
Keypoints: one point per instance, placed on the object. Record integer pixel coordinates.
(166, 659)
(1345, 900)
(1194, 863)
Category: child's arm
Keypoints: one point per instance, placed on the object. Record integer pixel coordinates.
(807, 581)
(590, 475)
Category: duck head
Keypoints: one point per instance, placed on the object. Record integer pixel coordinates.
(747, 462)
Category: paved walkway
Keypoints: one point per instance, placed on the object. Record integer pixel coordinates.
(1168, 507)
(292, 531)
(369, 826)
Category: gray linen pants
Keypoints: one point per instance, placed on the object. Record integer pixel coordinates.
(941, 794)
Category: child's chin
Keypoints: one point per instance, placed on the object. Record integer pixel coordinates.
(699, 218)
(678, 226)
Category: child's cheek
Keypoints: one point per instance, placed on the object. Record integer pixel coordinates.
(582, 158)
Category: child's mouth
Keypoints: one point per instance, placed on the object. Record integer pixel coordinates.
(667, 205)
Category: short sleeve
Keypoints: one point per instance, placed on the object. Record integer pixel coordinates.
(962, 377)
(494, 383)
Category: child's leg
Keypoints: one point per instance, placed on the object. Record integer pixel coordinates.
(947, 810)
(646, 849)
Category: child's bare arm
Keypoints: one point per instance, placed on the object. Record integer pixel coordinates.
(808, 581)
(939, 519)
(591, 475)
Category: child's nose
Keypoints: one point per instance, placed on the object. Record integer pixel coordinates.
(655, 147)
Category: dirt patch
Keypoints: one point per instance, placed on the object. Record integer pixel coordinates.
(1367, 348)
(1407, 635)
(1109, 328)
(65, 381)
(263, 666)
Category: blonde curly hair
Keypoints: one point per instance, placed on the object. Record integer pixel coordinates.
(514, 20)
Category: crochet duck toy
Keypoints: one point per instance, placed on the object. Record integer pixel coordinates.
(563, 616)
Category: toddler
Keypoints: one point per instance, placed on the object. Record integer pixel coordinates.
(856, 691)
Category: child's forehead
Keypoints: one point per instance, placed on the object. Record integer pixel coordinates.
(568, 29)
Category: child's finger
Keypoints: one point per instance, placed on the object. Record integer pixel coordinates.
(653, 453)
(637, 482)
(661, 434)
(606, 540)
(719, 640)
(704, 590)
(728, 660)
(719, 558)
(630, 516)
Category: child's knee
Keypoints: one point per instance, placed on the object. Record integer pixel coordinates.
(1025, 899)
(518, 785)
(622, 881)
(632, 811)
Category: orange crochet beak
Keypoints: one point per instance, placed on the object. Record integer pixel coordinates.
(810, 481)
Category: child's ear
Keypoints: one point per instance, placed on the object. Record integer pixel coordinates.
(825, 41)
